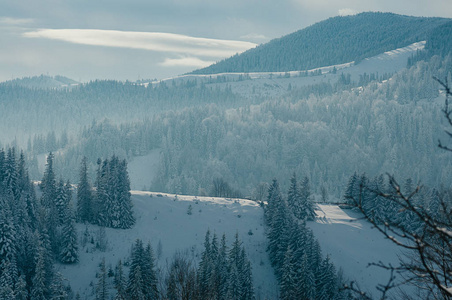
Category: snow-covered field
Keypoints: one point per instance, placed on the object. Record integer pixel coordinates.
(352, 244)
(163, 218)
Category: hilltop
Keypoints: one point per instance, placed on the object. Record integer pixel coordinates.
(334, 41)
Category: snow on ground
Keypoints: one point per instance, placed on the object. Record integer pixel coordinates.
(269, 84)
(352, 244)
(162, 218)
(142, 170)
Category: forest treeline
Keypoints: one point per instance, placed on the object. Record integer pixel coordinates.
(388, 126)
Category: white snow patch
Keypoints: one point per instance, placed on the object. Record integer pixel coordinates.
(163, 218)
(352, 244)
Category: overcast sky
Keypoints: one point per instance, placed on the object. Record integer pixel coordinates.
(144, 39)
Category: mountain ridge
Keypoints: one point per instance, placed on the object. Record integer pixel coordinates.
(334, 41)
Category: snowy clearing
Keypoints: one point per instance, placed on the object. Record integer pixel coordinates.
(352, 244)
(162, 218)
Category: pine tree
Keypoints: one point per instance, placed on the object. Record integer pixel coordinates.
(306, 202)
(288, 277)
(135, 287)
(39, 290)
(101, 286)
(58, 289)
(7, 281)
(8, 233)
(142, 277)
(352, 189)
(102, 200)
(305, 280)
(149, 275)
(222, 269)
(48, 183)
(69, 244)
(84, 195)
(246, 277)
(233, 291)
(205, 268)
(120, 282)
(326, 281)
(126, 218)
(61, 202)
(294, 199)
(11, 176)
(21, 292)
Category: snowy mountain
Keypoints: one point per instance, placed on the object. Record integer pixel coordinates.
(336, 40)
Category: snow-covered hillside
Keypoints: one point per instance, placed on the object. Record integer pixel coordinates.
(163, 219)
(276, 83)
(352, 244)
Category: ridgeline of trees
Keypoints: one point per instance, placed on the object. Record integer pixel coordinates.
(334, 41)
(20, 107)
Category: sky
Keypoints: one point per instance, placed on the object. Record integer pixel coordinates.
(147, 39)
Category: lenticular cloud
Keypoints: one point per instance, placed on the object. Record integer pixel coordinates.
(154, 41)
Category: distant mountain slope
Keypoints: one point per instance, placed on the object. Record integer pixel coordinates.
(42, 82)
(333, 41)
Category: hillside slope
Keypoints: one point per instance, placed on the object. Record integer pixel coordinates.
(352, 243)
(163, 219)
(334, 41)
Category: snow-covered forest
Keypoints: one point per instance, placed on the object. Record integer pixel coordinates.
(247, 176)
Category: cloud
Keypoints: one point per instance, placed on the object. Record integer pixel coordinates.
(254, 36)
(15, 21)
(347, 12)
(154, 41)
(186, 62)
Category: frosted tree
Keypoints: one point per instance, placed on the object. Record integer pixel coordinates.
(69, 241)
(84, 195)
(306, 199)
(41, 283)
(102, 284)
(142, 277)
(246, 277)
(120, 282)
(7, 281)
(126, 219)
(205, 266)
(58, 289)
(48, 183)
(149, 274)
(288, 278)
(7, 233)
(61, 201)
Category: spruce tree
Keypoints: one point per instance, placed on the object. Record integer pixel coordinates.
(150, 281)
(101, 286)
(126, 217)
(120, 282)
(288, 277)
(84, 195)
(40, 290)
(205, 267)
(69, 244)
